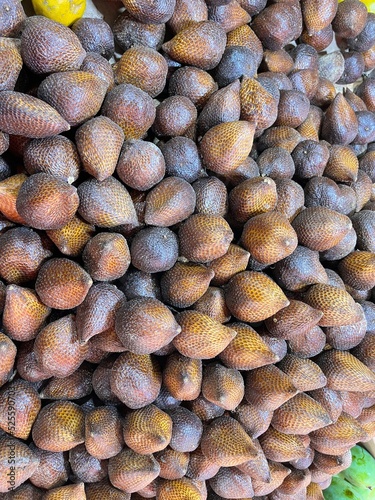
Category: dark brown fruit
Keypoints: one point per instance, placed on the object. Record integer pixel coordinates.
(160, 12)
(95, 35)
(86, 467)
(293, 108)
(204, 237)
(173, 464)
(103, 432)
(12, 19)
(41, 191)
(22, 255)
(99, 143)
(106, 203)
(129, 31)
(62, 284)
(276, 163)
(254, 420)
(185, 283)
(253, 296)
(365, 39)
(340, 124)
(154, 249)
(201, 337)
(76, 386)
(194, 83)
(97, 65)
(48, 46)
(143, 67)
(136, 379)
(182, 158)
(200, 44)
(175, 116)
(27, 116)
(232, 481)
(52, 470)
(24, 314)
(67, 431)
(56, 155)
(24, 464)
(131, 108)
(76, 95)
(106, 256)
(145, 325)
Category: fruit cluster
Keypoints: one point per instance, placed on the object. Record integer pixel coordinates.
(187, 250)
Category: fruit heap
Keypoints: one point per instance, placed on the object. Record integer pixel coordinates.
(187, 250)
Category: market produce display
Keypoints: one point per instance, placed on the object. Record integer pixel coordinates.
(187, 250)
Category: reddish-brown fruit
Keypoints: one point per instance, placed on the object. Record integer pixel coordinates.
(232, 262)
(97, 312)
(85, 467)
(99, 143)
(201, 468)
(201, 337)
(74, 386)
(293, 108)
(136, 379)
(10, 63)
(170, 202)
(106, 203)
(76, 95)
(358, 270)
(340, 124)
(24, 463)
(320, 228)
(316, 16)
(330, 400)
(216, 446)
(204, 237)
(282, 136)
(185, 12)
(103, 432)
(294, 484)
(258, 106)
(48, 46)
(252, 197)
(56, 155)
(350, 19)
(230, 482)
(247, 350)
(252, 296)
(19, 407)
(52, 470)
(254, 420)
(185, 283)
(225, 146)
(293, 320)
(41, 191)
(72, 238)
(24, 314)
(101, 380)
(76, 491)
(62, 284)
(223, 386)
(106, 256)
(186, 430)
(268, 387)
(200, 44)
(213, 304)
(131, 108)
(194, 83)
(345, 372)
(25, 115)
(143, 67)
(281, 447)
(338, 307)
(22, 254)
(269, 237)
(300, 415)
(304, 373)
(337, 438)
(145, 325)
(157, 13)
(68, 430)
(27, 366)
(183, 377)
(57, 348)
(147, 430)
(130, 471)
(205, 410)
(173, 464)
(230, 15)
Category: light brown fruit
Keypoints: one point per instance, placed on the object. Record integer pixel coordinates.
(24, 314)
(182, 377)
(77, 491)
(62, 284)
(223, 386)
(282, 136)
(317, 17)
(304, 373)
(28, 116)
(106, 203)
(216, 446)
(226, 145)
(48, 46)
(58, 350)
(213, 304)
(103, 432)
(106, 256)
(99, 143)
(24, 465)
(103, 489)
(179, 488)
(358, 270)
(254, 420)
(300, 415)
(72, 238)
(293, 320)
(194, 83)
(258, 106)
(200, 44)
(268, 387)
(38, 193)
(252, 296)
(67, 431)
(232, 482)
(281, 447)
(9, 189)
(147, 430)
(201, 337)
(186, 12)
(136, 379)
(173, 464)
(145, 325)
(131, 472)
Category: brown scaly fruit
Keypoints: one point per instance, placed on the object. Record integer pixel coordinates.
(25, 462)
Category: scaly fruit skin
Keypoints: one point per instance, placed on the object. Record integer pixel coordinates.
(361, 473)
(340, 489)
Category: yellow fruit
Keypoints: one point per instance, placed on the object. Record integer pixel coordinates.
(63, 11)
